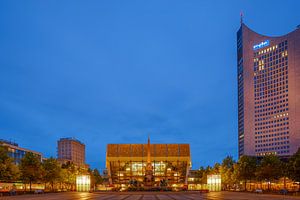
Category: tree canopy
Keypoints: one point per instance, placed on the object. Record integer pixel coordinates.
(8, 170)
(30, 168)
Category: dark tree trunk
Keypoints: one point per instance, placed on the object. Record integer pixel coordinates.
(250, 184)
(261, 187)
(30, 185)
(245, 185)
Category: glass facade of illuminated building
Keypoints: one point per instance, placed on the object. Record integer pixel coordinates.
(214, 182)
(15, 152)
(268, 74)
(83, 183)
(127, 162)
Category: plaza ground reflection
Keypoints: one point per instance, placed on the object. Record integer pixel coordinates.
(151, 196)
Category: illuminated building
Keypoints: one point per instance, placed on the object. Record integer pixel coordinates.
(83, 183)
(214, 182)
(17, 153)
(71, 150)
(268, 93)
(195, 181)
(127, 162)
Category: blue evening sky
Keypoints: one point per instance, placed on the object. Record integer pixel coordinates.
(116, 71)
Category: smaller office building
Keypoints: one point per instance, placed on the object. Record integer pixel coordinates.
(16, 152)
(71, 150)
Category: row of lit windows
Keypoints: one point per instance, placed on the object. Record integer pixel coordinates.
(268, 114)
(269, 62)
(271, 108)
(272, 99)
(272, 144)
(272, 69)
(272, 139)
(274, 130)
(278, 152)
(264, 114)
(269, 135)
(272, 148)
(267, 81)
(271, 83)
(270, 91)
(268, 57)
(265, 66)
(272, 126)
(269, 95)
(274, 55)
(268, 111)
(274, 117)
(265, 87)
(270, 122)
(273, 48)
(275, 77)
(271, 130)
(271, 104)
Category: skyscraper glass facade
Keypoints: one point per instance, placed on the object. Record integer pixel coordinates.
(268, 76)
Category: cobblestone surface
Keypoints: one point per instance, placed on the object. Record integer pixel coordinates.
(151, 196)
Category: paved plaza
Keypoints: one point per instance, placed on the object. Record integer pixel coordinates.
(151, 196)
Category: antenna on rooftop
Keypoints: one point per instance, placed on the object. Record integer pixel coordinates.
(242, 17)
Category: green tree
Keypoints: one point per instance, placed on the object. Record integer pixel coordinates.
(51, 171)
(202, 175)
(98, 177)
(216, 168)
(226, 171)
(95, 177)
(30, 168)
(8, 171)
(245, 168)
(203, 172)
(69, 172)
(269, 169)
(294, 167)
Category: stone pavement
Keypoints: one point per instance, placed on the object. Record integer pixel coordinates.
(151, 196)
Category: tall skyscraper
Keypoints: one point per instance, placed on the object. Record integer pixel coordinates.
(268, 74)
(72, 150)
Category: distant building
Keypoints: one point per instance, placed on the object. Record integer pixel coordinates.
(71, 150)
(268, 75)
(195, 180)
(16, 152)
(132, 162)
